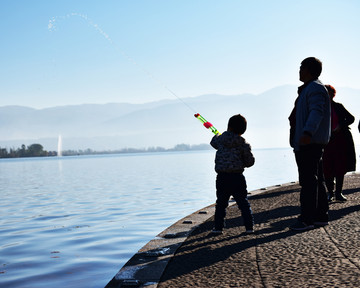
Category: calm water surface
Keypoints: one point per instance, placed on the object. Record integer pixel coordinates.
(75, 221)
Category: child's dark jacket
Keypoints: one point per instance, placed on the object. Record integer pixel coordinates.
(233, 153)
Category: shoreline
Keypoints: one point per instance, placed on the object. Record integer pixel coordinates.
(147, 265)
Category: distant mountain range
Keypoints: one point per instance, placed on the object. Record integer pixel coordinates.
(163, 123)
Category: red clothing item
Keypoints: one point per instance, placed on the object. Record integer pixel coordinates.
(335, 156)
(339, 155)
(334, 118)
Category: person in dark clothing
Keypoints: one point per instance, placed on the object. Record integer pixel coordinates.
(233, 155)
(309, 133)
(339, 154)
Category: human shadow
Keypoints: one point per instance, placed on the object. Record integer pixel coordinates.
(288, 211)
(337, 214)
(274, 193)
(203, 250)
(199, 255)
(265, 216)
(351, 191)
(198, 250)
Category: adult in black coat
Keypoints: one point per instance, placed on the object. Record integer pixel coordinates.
(339, 155)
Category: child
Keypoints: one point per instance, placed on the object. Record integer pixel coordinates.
(232, 156)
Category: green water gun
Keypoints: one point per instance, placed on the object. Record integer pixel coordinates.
(207, 124)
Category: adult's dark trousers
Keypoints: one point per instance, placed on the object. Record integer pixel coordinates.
(232, 184)
(313, 197)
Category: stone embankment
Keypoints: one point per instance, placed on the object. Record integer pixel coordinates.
(186, 255)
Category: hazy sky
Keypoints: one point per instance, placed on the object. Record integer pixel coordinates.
(63, 52)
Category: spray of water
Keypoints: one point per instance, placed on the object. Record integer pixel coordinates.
(53, 21)
(59, 148)
(52, 27)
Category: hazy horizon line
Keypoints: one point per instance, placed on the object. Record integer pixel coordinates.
(154, 101)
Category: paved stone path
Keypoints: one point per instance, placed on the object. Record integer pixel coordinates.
(274, 256)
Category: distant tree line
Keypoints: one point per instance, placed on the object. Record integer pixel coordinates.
(34, 150)
(37, 150)
(179, 147)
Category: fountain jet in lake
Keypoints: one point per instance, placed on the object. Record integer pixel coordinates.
(59, 150)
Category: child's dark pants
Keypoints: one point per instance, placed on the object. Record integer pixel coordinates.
(232, 184)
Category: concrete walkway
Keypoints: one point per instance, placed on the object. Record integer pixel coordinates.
(273, 257)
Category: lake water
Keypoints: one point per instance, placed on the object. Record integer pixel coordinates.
(75, 221)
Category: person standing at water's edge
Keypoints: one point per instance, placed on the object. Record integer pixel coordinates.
(339, 155)
(232, 156)
(309, 133)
